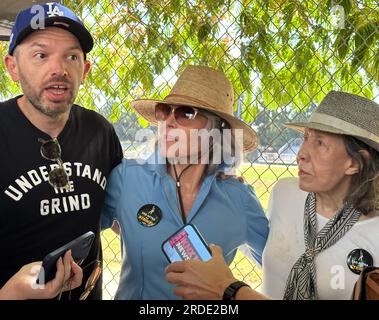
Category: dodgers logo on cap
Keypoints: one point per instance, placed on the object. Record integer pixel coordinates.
(54, 10)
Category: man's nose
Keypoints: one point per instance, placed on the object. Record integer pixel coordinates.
(59, 67)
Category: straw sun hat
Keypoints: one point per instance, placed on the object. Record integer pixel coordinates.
(203, 88)
(345, 113)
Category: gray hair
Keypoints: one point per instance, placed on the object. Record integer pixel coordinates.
(226, 147)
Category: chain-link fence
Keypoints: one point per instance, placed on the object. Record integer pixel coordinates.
(282, 57)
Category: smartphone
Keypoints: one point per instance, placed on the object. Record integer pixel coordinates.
(79, 249)
(186, 244)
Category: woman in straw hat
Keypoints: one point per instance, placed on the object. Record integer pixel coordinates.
(323, 225)
(181, 184)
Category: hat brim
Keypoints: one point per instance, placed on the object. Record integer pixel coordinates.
(301, 126)
(146, 109)
(78, 30)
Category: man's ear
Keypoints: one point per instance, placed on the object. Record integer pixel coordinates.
(87, 67)
(11, 65)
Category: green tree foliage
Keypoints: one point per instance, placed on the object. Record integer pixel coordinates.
(276, 52)
(270, 126)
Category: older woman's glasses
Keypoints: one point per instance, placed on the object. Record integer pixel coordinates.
(51, 150)
(184, 115)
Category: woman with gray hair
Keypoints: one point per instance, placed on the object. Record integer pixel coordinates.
(323, 225)
(182, 183)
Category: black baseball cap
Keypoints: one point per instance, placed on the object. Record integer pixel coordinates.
(52, 14)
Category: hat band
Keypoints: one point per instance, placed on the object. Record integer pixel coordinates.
(192, 99)
(348, 128)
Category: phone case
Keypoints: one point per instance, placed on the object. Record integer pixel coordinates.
(79, 248)
(186, 244)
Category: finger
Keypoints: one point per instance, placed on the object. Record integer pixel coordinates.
(175, 278)
(67, 259)
(53, 287)
(59, 276)
(178, 266)
(77, 277)
(215, 250)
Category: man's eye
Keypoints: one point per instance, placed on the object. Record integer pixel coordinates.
(40, 55)
(73, 57)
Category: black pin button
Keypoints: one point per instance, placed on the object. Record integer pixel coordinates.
(358, 259)
(149, 215)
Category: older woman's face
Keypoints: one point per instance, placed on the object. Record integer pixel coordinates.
(324, 164)
(176, 140)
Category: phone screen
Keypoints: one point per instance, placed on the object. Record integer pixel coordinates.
(186, 244)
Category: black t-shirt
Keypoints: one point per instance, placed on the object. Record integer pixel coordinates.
(36, 218)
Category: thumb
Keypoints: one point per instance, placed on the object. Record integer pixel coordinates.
(215, 250)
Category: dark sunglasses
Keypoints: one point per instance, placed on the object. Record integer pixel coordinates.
(51, 150)
(184, 115)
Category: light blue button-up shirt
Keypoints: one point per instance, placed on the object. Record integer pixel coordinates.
(226, 212)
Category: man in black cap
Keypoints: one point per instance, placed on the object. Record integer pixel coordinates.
(56, 156)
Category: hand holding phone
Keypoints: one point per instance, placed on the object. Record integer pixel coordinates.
(79, 250)
(186, 244)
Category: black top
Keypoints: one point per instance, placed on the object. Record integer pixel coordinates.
(35, 218)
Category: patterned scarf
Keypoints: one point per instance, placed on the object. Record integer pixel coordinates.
(301, 282)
